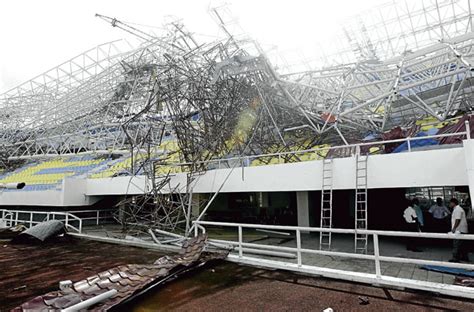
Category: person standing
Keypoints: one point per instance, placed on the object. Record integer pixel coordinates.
(419, 213)
(411, 222)
(458, 227)
(439, 212)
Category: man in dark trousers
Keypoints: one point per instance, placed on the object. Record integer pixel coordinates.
(439, 212)
(412, 225)
(458, 227)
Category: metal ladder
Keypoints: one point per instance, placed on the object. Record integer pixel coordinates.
(360, 240)
(326, 205)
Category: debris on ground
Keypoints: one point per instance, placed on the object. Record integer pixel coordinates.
(19, 287)
(363, 300)
(11, 232)
(41, 232)
(464, 281)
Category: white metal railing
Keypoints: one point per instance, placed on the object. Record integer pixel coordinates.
(245, 161)
(240, 246)
(7, 219)
(99, 216)
(31, 218)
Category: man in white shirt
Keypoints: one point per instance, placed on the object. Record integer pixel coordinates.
(411, 219)
(458, 227)
(439, 212)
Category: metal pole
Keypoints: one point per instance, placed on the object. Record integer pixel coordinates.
(91, 301)
(97, 222)
(378, 273)
(240, 242)
(358, 150)
(188, 213)
(468, 130)
(298, 246)
(409, 144)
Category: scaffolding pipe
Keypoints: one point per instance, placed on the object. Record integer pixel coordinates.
(90, 302)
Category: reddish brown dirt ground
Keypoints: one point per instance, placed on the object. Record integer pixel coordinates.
(29, 271)
(231, 287)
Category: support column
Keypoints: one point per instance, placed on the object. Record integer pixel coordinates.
(121, 210)
(195, 206)
(265, 202)
(469, 158)
(302, 206)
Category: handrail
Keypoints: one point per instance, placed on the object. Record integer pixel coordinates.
(320, 149)
(240, 245)
(247, 158)
(338, 231)
(6, 214)
(47, 215)
(70, 215)
(84, 211)
(96, 214)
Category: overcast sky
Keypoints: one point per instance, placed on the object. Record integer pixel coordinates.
(37, 35)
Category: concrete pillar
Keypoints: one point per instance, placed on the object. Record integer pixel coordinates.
(121, 209)
(265, 202)
(195, 206)
(302, 206)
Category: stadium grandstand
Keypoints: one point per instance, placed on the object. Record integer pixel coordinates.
(177, 135)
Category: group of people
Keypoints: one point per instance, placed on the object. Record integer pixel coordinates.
(414, 219)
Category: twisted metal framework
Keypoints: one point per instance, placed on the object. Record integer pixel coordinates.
(164, 210)
(417, 63)
(376, 96)
(388, 30)
(110, 98)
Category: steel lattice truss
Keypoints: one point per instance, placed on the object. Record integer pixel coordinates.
(225, 97)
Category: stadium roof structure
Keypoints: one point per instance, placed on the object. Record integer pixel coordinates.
(399, 63)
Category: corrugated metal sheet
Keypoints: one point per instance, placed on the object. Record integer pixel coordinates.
(42, 231)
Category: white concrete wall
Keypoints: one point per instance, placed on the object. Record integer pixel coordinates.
(74, 193)
(117, 186)
(424, 168)
(448, 167)
(31, 198)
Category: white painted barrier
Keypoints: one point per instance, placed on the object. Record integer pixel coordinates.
(378, 278)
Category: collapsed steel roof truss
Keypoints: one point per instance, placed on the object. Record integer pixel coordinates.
(112, 97)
